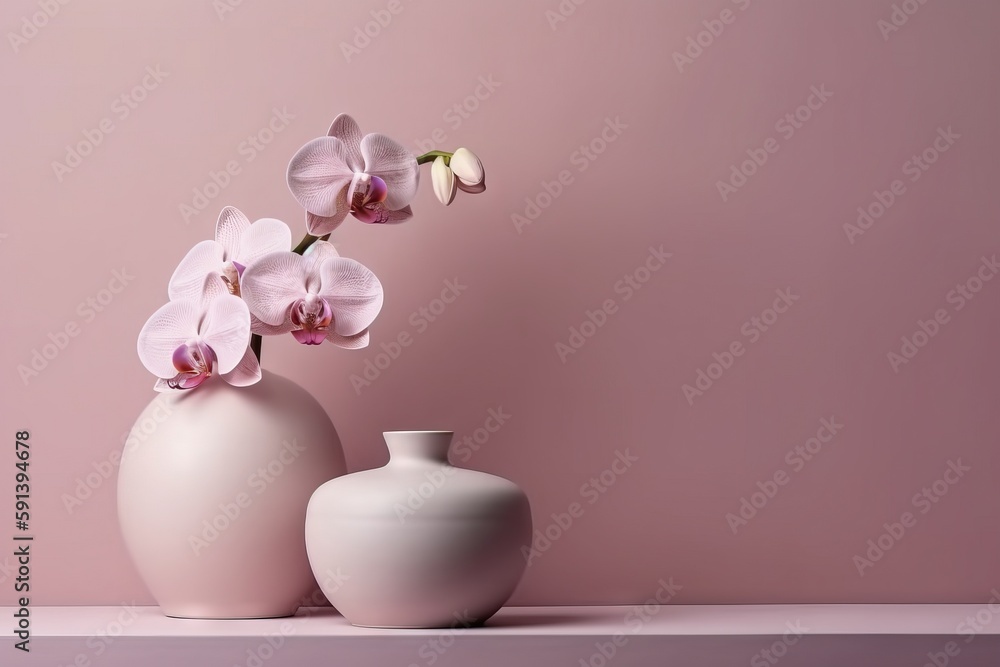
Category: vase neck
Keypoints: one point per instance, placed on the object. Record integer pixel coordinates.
(418, 446)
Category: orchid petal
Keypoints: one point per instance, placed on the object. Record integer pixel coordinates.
(317, 253)
(171, 326)
(186, 380)
(192, 380)
(162, 386)
(180, 382)
(370, 215)
(247, 371)
(472, 189)
(467, 167)
(401, 215)
(379, 214)
(317, 173)
(310, 337)
(264, 329)
(263, 237)
(229, 229)
(390, 161)
(353, 292)
(226, 329)
(188, 280)
(355, 342)
(346, 129)
(194, 357)
(272, 284)
(443, 179)
(213, 287)
(318, 225)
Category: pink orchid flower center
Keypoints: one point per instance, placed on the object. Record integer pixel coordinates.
(369, 192)
(194, 361)
(313, 316)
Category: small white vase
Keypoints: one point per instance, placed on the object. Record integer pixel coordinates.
(418, 543)
(212, 496)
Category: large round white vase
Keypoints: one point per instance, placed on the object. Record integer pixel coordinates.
(212, 495)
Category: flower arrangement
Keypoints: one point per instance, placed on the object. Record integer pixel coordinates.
(250, 282)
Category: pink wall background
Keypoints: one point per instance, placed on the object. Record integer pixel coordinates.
(555, 86)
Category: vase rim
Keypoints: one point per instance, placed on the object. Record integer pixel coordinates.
(431, 432)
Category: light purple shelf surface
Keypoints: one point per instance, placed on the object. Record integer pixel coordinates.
(688, 635)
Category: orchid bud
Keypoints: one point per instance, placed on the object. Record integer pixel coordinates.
(467, 167)
(443, 180)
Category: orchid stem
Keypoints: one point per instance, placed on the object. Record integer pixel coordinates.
(255, 342)
(430, 156)
(306, 241)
